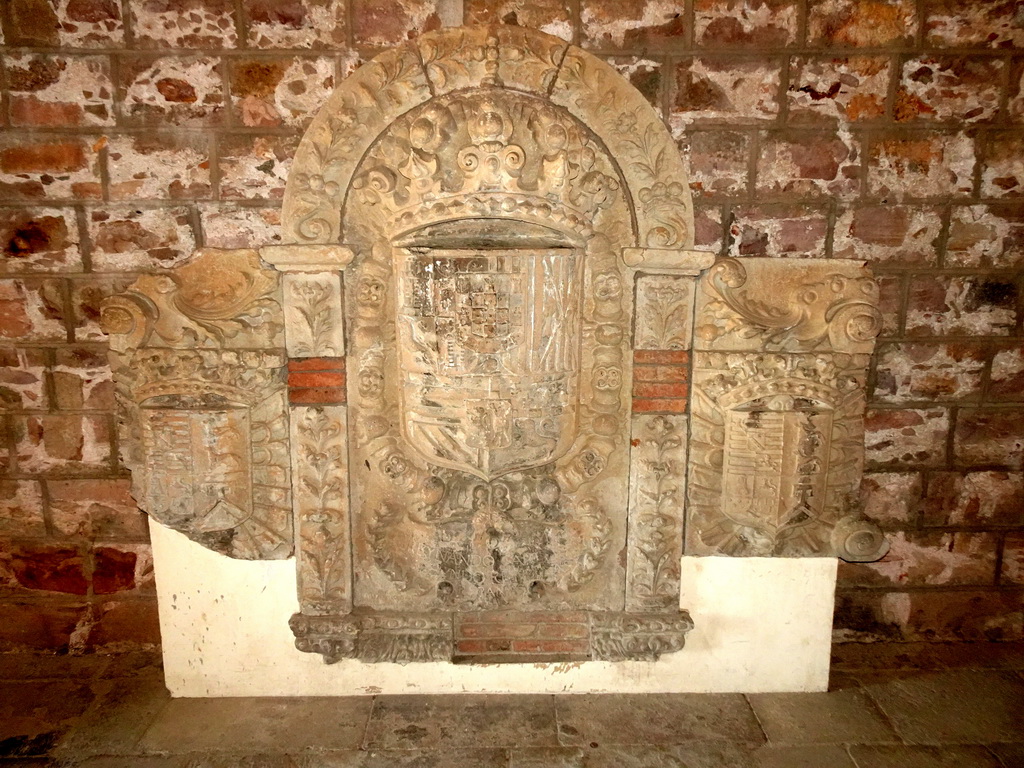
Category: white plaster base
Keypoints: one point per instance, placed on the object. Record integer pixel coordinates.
(762, 624)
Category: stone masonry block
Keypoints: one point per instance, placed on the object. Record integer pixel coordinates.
(929, 372)
(746, 23)
(986, 235)
(295, 24)
(30, 22)
(54, 91)
(707, 227)
(1002, 171)
(989, 436)
(31, 310)
(39, 240)
(286, 90)
(974, 499)
(550, 16)
(847, 88)
(949, 88)
(643, 74)
(961, 305)
(981, 23)
(719, 162)
(928, 559)
(894, 234)
(155, 166)
(921, 165)
(779, 230)
(806, 165)
(48, 167)
(90, 23)
(1013, 559)
(891, 499)
(389, 22)
(175, 24)
(647, 24)
(852, 23)
(171, 90)
(140, 238)
(96, 509)
(909, 437)
(62, 443)
(82, 379)
(1006, 379)
(724, 88)
(23, 378)
(21, 508)
(234, 226)
(255, 167)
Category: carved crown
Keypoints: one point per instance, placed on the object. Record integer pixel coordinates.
(491, 153)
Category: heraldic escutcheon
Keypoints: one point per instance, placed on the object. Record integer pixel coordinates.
(459, 392)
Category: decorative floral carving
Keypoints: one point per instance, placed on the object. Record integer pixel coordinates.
(638, 636)
(664, 312)
(834, 306)
(656, 507)
(313, 313)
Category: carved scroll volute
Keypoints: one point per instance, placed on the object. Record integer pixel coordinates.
(780, 362)
(199, 375)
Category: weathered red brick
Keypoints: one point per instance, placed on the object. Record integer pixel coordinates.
(989, 23)
(287, 90)
(38, 626)
(1013, 559)
(949, 88)
(551, 646)
(255, 167)
(974, 498)
(96, 509)
(125, 625)
(986, 235)
(31, 310)
(861, 23)
(48, 568)
(324, 379)
(550, 16)
(317, 396)
(746, 23)
(779, 229)
(661, 356)
(829, 89)
(989, 436)
(30, 22)
(386, 22)
(503, 630)
(170, 24)
(929, 372)
(139, 238)
(719, 162)
(316, 364)
(632, 23)
(891, 499)
(21, 508)
(898, 234)
(62, 442)
(82, 379)
(171, 91)
(39, 240)
(808, 164)
(1002, 171)
(87, 296)
(720, 87)
(919, 165)
(159, 166)
(113, 570)
(57, 157)
(23, 378)
(91, 23)
(928, 559)
(295, 23)
(914, 437)
(961, 305)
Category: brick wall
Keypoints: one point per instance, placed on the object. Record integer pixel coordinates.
(889, 130)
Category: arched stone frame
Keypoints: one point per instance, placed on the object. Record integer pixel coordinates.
(398, 80)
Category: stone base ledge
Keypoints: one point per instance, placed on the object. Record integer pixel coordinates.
(492, 636)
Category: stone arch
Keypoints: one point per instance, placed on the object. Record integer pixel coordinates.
(403, 78)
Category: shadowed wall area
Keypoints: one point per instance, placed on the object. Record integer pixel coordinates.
(135, 131)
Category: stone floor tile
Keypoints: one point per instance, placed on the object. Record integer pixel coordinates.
(694, 755)
(954, 707)
(445, 722)
(838, 717)
(35, 715)
(892, 756)
(817, 756)
(1012, 755)
(858, 656)
(257, 725)
(657, 718)
(43, 666)
(447, 758)
(113, 725)
(130, 761)
(546, 757)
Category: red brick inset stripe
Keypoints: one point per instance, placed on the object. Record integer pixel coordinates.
(661, 380)
(316, 381)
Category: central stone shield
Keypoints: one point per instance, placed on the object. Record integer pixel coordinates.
(488, 353)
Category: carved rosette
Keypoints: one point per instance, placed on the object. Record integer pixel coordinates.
(777, 413)
(199, 366)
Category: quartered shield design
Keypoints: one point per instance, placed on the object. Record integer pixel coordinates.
(776, 461)
(489, 355)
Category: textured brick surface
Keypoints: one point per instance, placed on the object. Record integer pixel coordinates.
(888, 131)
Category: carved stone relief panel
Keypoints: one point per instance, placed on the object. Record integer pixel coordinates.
(199, 369)
(781, 357)
(489, 440)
